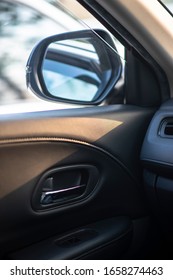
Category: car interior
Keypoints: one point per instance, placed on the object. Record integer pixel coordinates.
(95, 181)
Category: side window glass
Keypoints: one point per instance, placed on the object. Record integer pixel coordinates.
(23, 24)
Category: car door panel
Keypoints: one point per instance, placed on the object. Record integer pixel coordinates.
(109, 139)
(97, 126)
(92, 240)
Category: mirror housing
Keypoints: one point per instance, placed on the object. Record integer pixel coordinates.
(80, 67)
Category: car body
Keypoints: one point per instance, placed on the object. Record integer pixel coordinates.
(94, 182)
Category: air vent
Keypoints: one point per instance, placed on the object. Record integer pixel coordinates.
(169, 128)
(166, 129)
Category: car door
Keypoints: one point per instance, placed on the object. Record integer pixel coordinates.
(71, 180)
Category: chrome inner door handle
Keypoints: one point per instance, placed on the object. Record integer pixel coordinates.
(49, 197)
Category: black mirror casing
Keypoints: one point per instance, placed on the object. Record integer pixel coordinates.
(105, 50)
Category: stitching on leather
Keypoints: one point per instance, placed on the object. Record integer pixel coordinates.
(69, 140)
(35, 139)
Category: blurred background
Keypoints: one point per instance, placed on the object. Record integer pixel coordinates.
(169, 4)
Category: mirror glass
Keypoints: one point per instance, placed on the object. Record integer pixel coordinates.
(76, 69)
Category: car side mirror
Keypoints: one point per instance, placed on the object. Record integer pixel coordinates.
(77, 67)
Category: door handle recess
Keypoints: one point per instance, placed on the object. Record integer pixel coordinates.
(48, 197)
(63, 185)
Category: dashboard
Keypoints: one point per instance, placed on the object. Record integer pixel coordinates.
(157, 160)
